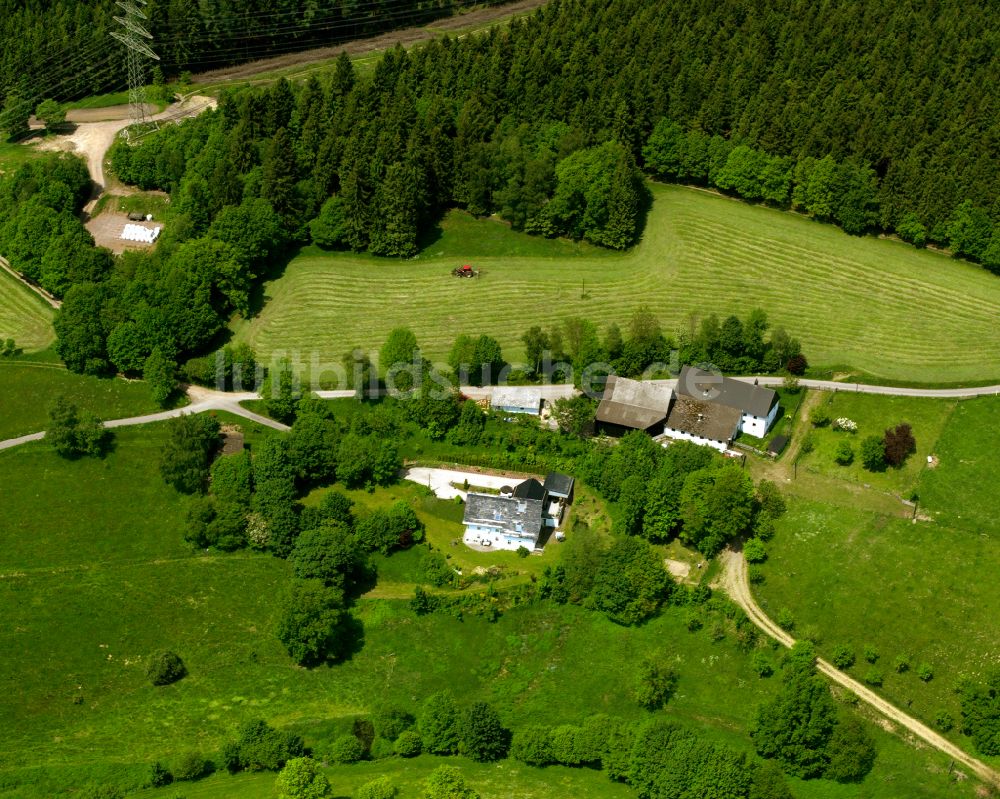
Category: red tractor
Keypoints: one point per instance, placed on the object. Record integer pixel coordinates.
(465, 270)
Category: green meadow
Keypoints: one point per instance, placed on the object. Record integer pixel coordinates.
(96, 577)
(28, 385)
(877, 305)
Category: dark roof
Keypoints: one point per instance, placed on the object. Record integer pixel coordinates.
(777, 444)
(529, 489)
(559, 484)
(507, 513)
(631, 403)
(746, 397)
(705, 419)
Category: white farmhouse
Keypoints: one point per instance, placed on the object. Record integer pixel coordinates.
(757, 405)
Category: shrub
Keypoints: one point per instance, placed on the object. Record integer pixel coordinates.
(871, 653)
(260, 747)
(379, 788)
(762, 664)
(165, 668)
(391, 722)
(301, 778)
(899, 443)
(843, 657)
(408, 744)
(902, 664)
(874, 676)
(785, 619)
(159, 775)
(808, 444)
(819, 416)
(944, 721)
(755, 551)
(770, 499)
(694, 622)
(438, 724)
(755, 574)
(73, 433)
(845, 453)
(851, 752)
(346, 749)
(482, 735)
(655, 683)
(925, 672)
(845, 424)
(531, 745)
(797, 364)
(873, 453)
(523, 552)
(191, 766)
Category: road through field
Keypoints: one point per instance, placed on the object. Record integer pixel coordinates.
(735, 583)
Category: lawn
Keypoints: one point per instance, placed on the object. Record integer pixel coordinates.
(28, 386)
(873, 415)
(24, 316)
(967, 451)
(105, 580)
(856, 577)
(878, 305)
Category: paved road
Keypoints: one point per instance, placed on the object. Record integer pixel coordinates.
(203, 399)
(735, 583)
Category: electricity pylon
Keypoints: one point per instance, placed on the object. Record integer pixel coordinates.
(134, 38)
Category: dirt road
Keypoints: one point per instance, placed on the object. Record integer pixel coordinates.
(734, 582)
(5, 265)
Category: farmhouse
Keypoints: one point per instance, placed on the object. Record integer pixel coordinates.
(757, 406)
(517, 520)
(706, 423)
(633, 405)
(517, 399)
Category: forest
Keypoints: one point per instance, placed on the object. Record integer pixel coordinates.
(550, 123)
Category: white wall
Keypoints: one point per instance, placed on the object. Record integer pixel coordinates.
(477, 535)
(758, 425)
(704, 442)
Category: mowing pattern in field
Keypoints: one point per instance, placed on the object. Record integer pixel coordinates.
(880, 306)
(24, 316)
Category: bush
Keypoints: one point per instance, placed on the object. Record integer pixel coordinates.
(408, 744)
(873, 454)
(871, 653)
(786, 621)
(808, 444)
(797, 365)
(379, 788)
(73, 433)
(655, 683)
(391, 722)
(531, 746)
(346, 749)
(694, 622)
(925, 672)
(159, 775)
(874, 677)
(260, 747)
(851, 752)
(523, 552)
(843, 657)
(944, 721)
(819, 416)
(191, 766)
(845, 453)
(762, 664)
(482, 735)
(755, 551)
(165, 668)
(755, 574)
(301, 778)
(899, 443)
(902, 664)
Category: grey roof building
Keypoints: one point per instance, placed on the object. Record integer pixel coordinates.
(510, 522)
(632, 405)
(749, 398)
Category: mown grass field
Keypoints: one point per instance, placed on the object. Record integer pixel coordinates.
(24, 316)
(878, 306)
(106, 580)
(961, 490)
(873, 415)
(28, 387)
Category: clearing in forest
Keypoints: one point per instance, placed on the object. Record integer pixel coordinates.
(878, 306)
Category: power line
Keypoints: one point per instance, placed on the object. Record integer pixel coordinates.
(133, 39)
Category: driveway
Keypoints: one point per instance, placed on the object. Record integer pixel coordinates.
(440, 481)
